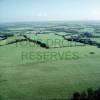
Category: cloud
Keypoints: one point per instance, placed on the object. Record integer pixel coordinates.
(41, 15)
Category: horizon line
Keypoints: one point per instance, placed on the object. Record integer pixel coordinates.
(50, 21)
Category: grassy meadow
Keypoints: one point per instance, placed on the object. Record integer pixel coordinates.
(31, 72)
(33, 79)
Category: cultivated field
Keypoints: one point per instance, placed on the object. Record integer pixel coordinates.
(31, 72)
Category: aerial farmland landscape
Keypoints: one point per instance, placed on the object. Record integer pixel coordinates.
(49, 59)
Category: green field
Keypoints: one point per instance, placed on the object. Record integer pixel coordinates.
(53, 40)
(33, 79)
(29, 71)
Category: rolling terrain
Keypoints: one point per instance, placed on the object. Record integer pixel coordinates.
(29, 71)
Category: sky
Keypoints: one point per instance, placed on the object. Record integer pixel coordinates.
(49, 10)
